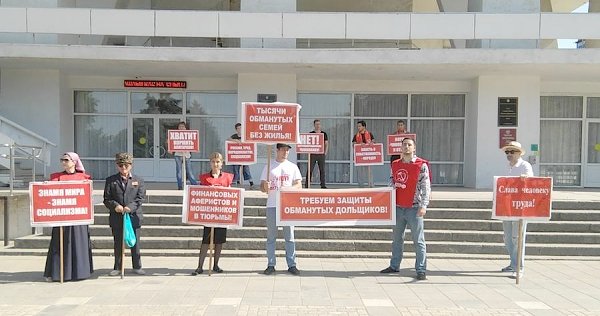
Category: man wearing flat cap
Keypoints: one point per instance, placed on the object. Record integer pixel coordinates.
(519, 168)
(283, 173)
(124, 193)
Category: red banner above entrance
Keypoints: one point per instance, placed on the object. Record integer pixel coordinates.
(154, 84)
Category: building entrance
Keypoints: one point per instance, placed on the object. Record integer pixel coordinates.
(149, 144)
(592, 165)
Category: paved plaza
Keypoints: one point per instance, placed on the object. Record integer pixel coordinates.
(460, 285)
(325, 287)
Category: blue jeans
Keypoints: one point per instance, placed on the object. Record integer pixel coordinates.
(408, 216)
(245, 171)
(288, 234)
(188, 171)
(362, 176)
(511, 241)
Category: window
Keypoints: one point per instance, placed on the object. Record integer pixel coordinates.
(100, 129)
(560, 139)
(438, 120)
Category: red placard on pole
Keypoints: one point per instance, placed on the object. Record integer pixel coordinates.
(237, 153)
(213, 206)
(368, 154)
(394, 143)
(527, 198)
(339, 207)
(270, 123)
(183, 140)
(61, 203)
(311, 143)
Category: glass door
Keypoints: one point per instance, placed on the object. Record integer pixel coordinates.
(153, 113)
(152, 160)
(592, 166)
(165, 164)
(143, 148)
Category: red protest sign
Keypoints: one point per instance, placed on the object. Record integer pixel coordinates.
(368, 154)
(237, 153)
(183, 140)
(270, 123)
(213, 206)
(311, 143)
(340, 207)
(61, 203)
(394, 143)
(522, 198)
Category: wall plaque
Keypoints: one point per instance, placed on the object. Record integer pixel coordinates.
(508, 112)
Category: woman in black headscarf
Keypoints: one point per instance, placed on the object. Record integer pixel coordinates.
(77, 248)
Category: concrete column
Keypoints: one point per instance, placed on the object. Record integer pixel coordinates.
(268, 6)
(484, 159)
(594, 7)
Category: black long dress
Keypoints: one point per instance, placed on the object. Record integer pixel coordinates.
(77, 246)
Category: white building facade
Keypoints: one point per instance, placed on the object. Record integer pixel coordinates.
(462, 74)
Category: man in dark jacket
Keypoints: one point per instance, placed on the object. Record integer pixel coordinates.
(124, 193)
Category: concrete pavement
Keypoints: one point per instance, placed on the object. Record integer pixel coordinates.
(325, 287)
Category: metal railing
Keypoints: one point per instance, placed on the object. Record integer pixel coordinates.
(19, 152)
(22, 152)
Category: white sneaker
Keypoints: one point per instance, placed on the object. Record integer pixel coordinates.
(514, 274)
(139, 271)
(114, 272)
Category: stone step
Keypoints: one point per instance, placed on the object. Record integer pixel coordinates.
(432, 213)
(280, 253)
(382, 233)
(259, 199)
(178, 199)
(436, 224)
(173, 243)
(303, 254)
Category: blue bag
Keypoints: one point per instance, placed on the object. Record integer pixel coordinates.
(128, 233)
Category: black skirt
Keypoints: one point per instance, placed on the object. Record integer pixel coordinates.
(77, 254)
(220, 235)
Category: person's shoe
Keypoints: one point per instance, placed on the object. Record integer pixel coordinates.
(293, 270)
(323, 187)
(421, 276)
(514, 275)
(139, 271)
(114, 272)
(252, 187)
(508, 269)
(269, 270)
(217, 269)
(48, 279)
(197, 271)
(388, 270)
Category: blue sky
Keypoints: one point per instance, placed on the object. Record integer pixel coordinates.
(570, 42)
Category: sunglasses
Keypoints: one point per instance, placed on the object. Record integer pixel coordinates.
(65, 160)
(511, 152)
(121, 165)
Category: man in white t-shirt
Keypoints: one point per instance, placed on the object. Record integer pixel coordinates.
(516, 167)
(283, 173)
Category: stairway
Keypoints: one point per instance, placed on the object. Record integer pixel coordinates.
(452, 229)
